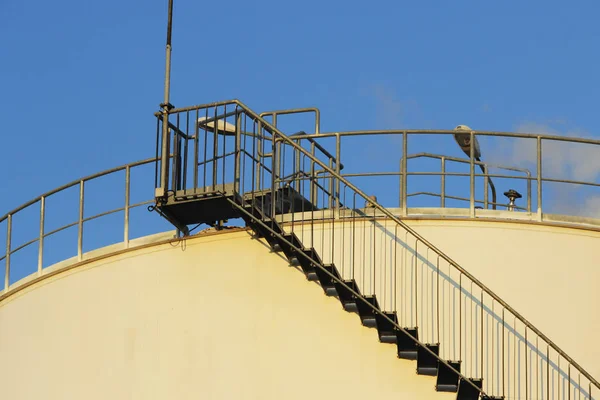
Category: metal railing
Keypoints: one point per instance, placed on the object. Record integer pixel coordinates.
(39, 225)
(539, 200)
(409, 275)
(388, 259)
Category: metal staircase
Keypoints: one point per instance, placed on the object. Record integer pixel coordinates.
(229, 162)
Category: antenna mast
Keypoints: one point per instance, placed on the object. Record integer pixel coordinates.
(168, 51)
(166, 106)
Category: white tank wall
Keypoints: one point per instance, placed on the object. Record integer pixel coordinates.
(548, 274)
(123, 319)
(219, 317)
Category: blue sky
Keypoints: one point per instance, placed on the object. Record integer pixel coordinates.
(81, 79)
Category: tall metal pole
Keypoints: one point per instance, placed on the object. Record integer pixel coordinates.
(166, 106)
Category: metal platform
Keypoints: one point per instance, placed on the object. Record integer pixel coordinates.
(209, 205)
(206, 205)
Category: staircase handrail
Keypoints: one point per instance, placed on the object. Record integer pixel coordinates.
(417, 236)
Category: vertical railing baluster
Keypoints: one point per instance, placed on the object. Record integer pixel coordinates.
(175, 175)
(331, 188)
(196, 134)
(338, 150)
(472, 177)
(528, 192)
(224, 146)
(416, 285)
(394, 288)
(569, 388)
(41, 237)
(482, 337)
(404, 172)
(127, 203)
(539, 178)
(547, 371)
(526, 366)
(238, 153)
(8, 245)
(443, 184)
(80, 223)
(486, 183)
(503, 354)
(185, 151)
(156, 163)
(537, 368)
(460, 318)
(437, 297)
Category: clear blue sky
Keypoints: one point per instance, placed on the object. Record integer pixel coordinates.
(81, 79)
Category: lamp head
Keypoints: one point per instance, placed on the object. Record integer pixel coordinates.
(463, 138)
(223, 127)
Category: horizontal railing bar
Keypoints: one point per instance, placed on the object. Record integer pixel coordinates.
(93, 217)
(426, 173)
(290, 111)
(62, 228)
(464, 174)
(142, 203)
(13, 251)
(467, 161)
(461, 198)
(570, 182)
(452, 132)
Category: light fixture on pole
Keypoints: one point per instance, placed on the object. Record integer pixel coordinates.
(463, 139)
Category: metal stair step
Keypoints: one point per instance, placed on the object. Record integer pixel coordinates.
(326, 281)
(346, 297)
(407, 348)
(308, 263)
(287, 249)
(427, 363)
(467, 391)
(447, 380)
(366, 313)
(385, 329)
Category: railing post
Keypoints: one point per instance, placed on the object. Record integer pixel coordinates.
(443, 188)
(164, 157)
(215, 150)
(274, 178)
(472, 177)
(7, 261)
(486, 183)
(297, 168)
(313, 186)
(238, 152)
(260, 151)
(539, 178)
(41, 238)
(331, 193)
(404, 172)
(528, 192)
(127, 194)
(80, 223)
(338, 151)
